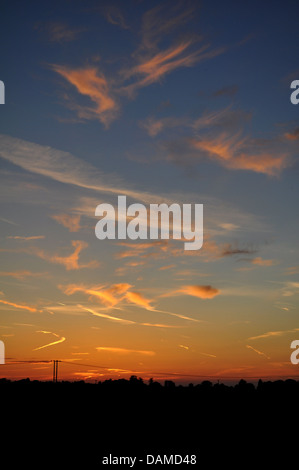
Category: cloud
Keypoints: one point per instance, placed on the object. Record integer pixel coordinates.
(160, 52)
(59, 32)
(156, 126)
(229, 91)
(231, 151)
(22, 307)
(110, 296)
(202, 292)
(21, 274)
(229, 227)
(260, 353)
(271, 334)
(226, 118)
(70, 262)
(138, 299)
(125, 351)
(263, 262)
(118, 296)
(114, 16)
(66, 168)
(208, 355)
(124, 321)
(60, 340)
(230, 250)
(294, 135)
(152, 69)
(160, 21)
(93, 84)
(72, 222)
(290, 288)
(291, 271)
(7, 221)
(34, 237)
(108, 317)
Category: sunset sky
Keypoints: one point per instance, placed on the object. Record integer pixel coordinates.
(185, 102)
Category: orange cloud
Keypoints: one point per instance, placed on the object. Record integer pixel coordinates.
(125, 351)
(138, 299)
(72, 222)
(292, 270)
(20, 274)
(156, 67)
(108, 296)
(124, 321)
(35, 237)
(112, 295)
(294, 135)
(60, 340)
(231, 152)
(24, 307)
(70, 262)
(271, 334)
(263, 262)
(260, 353)
(89, 82)
(108, 317)
(203, 292)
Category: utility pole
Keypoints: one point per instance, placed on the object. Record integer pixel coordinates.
(55, 370)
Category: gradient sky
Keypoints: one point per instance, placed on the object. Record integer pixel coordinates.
(184, 102)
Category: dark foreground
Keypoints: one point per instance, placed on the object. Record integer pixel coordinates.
(67, 425)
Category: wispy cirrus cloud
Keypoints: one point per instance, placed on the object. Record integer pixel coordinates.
(293, 135)
(29, 238)
(118, 296)
(221, 119)
(151, 61)
(124, 321)
(59, 32)
(70, 262)
(125, 351)
(260, 353)
(271, 334)
(231, 151)
(115, 16)
(152, 69)
(22, 274)
(61, 339)
(66, 168)
(228, 91)
(109, 296)
(138, 299)
(90, 82)
(19, 306)
(72, 222)
(263, 262)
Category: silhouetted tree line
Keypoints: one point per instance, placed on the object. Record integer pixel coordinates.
(138, 384)
(220, 423)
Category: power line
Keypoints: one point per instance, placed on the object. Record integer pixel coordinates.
(172, 374)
